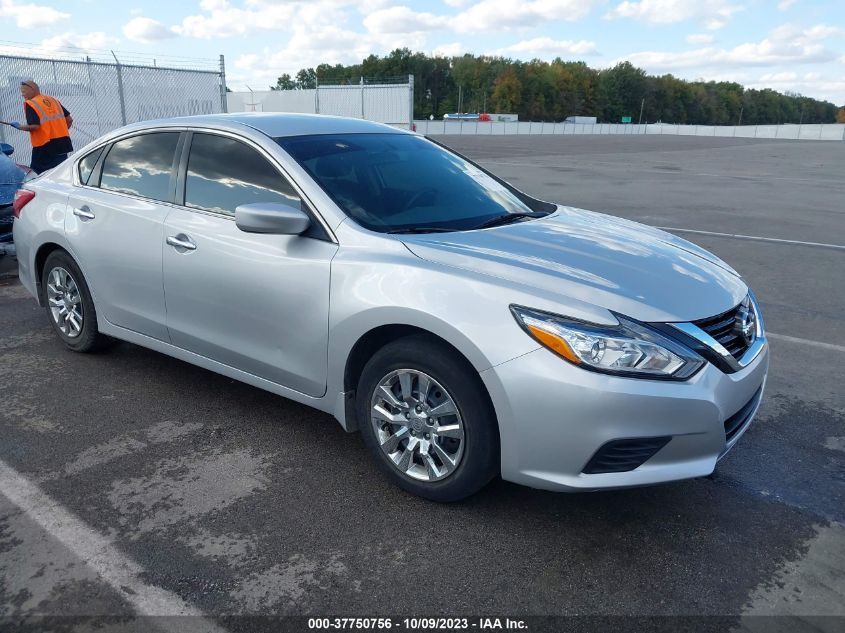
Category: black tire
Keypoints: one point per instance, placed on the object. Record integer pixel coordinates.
(480, 458)
(89, 338)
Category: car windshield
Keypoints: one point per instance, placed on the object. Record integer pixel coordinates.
(401, 182)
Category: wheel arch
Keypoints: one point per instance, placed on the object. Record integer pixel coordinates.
(375, 339)
(41, 255)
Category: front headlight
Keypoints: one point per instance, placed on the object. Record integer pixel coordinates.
(628, 349)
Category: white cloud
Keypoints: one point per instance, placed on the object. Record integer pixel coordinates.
(135, 11)
(713, 13)
(456, 3)
(811, 84)
(365, 7)
(30, 15)
(546, 48)
(784, 5)
(787, 44)
(401, 19)
(146, 30)
(700, 38)
(220, 19)
(778, 77)
(309, 46)
(84, 41)
(498, 15)
(449, 50)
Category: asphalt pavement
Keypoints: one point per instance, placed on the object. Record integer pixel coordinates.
(135, 483)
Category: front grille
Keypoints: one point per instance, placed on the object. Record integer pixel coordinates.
(620, 456)
(723, 328)
(735, 423)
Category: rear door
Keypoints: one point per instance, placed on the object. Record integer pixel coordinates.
(259, 303)
(116, 228)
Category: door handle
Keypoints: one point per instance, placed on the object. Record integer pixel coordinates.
(182, 241)
(83, 213)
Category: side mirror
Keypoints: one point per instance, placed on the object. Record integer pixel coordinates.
(7, 149)
(272, 217)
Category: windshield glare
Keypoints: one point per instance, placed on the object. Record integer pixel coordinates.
(397, 182)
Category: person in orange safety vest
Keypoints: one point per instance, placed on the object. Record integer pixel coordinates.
(48, 123)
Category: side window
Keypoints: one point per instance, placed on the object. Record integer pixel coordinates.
(86, 165)
(141, 165)
(224, 173)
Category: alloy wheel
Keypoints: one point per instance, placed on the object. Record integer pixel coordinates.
(65, 302)
(417, 425)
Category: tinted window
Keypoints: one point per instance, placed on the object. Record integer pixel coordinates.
(141, 165)
(86, 165)
(400, 182)
(224, 173)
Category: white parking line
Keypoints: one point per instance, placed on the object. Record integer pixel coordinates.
(99, 553)
(756, 238)
(804, 341)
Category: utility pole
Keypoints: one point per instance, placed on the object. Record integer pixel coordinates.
(740, 115)
(642, 105)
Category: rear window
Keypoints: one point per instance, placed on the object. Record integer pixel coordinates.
(87, 164)
(141, 166)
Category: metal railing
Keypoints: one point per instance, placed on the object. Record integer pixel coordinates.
(103, 96)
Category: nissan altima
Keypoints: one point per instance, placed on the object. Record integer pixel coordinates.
(465, 328)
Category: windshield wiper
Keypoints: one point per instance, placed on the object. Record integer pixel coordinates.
(507, 218)
(423, 229)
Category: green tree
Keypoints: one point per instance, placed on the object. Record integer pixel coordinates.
(284, 83)
(551, 91)
(306, 78)
(507, 92)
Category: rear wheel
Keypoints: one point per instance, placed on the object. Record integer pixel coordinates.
(69, 304)
(425, 417)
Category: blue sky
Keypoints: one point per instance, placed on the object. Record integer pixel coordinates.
(788, 45)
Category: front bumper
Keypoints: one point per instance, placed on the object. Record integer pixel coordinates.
(554, 417)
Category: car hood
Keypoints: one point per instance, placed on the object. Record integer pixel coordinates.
(630, 268)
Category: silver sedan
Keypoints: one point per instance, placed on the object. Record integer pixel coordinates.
(465, 328)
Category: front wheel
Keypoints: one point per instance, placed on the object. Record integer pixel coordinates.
(426, 419)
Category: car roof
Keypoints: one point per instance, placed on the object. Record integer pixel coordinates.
(275, 124)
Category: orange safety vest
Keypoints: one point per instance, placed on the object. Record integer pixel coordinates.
(53, 123)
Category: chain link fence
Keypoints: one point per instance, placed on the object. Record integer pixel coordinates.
(104, 96)
(384, 101)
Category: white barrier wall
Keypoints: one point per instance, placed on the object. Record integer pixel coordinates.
(384, 103)
(814, 132)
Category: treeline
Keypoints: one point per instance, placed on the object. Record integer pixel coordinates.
(551, 91)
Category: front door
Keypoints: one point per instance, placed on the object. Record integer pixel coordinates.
(259, 303)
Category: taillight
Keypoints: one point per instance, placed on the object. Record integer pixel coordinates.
(22, 198)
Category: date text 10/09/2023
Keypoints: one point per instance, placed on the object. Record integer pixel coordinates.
(417, 624)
